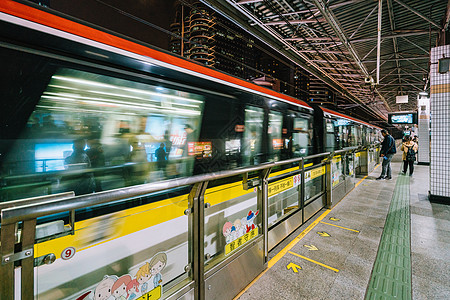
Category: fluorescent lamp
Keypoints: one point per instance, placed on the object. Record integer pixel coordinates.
(423, 93)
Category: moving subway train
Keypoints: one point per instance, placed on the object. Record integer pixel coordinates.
(88, 113)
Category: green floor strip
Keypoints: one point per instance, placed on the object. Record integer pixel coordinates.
(391, 274)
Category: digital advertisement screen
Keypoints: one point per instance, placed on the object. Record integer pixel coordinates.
(341, 122)
(200, 149)
(277, 144)
(402, 119)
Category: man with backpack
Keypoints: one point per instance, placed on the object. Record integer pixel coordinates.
(387, 152)
(409, 149)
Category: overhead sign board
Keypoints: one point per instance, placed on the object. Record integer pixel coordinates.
(401, 99)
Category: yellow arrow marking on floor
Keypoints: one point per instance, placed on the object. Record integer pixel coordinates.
(311, 247)
(294, 267)
(334, 219)
(340, 227)
(323, 233)
(313, 261)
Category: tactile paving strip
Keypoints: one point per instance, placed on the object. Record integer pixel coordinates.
(391, 274)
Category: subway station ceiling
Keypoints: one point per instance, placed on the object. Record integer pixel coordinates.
(337, 41)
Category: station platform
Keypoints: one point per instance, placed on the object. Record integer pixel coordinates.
(384, 240)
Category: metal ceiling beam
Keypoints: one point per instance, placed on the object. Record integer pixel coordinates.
(414, 85)
(248, 1)
(374, 38)
(418, 13)
(329, 16)
(348, 75)
(245, 19)
(310, 39)
(368, 53)
(447, 17)
(417, 46)
(384, 61)
(324, 51)
(405, 74)
(410, 60)
(397, 84)
(389, 74)
(396, 91)
(332, 22)
(340, 69)
(398, 59)
(304, 21)
(323, 61)
(363, 22)
(394, 40)
(380, 10)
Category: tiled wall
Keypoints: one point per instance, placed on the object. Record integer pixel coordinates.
(424, 130)
(440, 125)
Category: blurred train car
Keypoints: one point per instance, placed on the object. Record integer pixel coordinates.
(88, 111)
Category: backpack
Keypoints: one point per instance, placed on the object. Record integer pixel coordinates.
(411, 154)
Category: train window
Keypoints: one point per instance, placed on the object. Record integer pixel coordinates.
(302, 137)
(364, 135)
(352, 136)
(331, 138)
(274, 131)
(358, 137)
(254, 118)
(91, 132)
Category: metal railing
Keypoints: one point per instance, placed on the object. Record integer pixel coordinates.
(25, 212)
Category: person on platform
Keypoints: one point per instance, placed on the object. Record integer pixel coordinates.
(409, 149)
(161, 157)
(387, 152)
(80, 181)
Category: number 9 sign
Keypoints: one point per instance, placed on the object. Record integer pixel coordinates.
(68, 253)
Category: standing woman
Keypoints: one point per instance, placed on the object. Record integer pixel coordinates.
(409, 149)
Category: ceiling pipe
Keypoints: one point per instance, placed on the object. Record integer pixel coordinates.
(380, 10)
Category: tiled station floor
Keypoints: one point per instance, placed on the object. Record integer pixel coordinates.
(336, 254)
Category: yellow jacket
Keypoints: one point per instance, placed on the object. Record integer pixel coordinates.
(405, 147)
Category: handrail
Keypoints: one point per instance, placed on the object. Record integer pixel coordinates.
(347, 149)
(35, 210)
(27, 201)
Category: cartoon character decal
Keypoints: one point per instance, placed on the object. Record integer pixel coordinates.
(132, 289)
(157, 264)
(82, 297)
(250, 218)
(237, 229)
(227, 232)
(142, 276)
(104, 289)
(119, 288)
(127, 287)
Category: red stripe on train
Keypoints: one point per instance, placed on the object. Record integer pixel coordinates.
(47, 19)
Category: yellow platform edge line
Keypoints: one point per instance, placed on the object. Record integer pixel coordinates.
(286, 249)
(340, 226)
(313, 261)
(277, 257)
(361, 180)
(297, 239)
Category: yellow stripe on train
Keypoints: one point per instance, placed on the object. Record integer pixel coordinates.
(118, 224)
